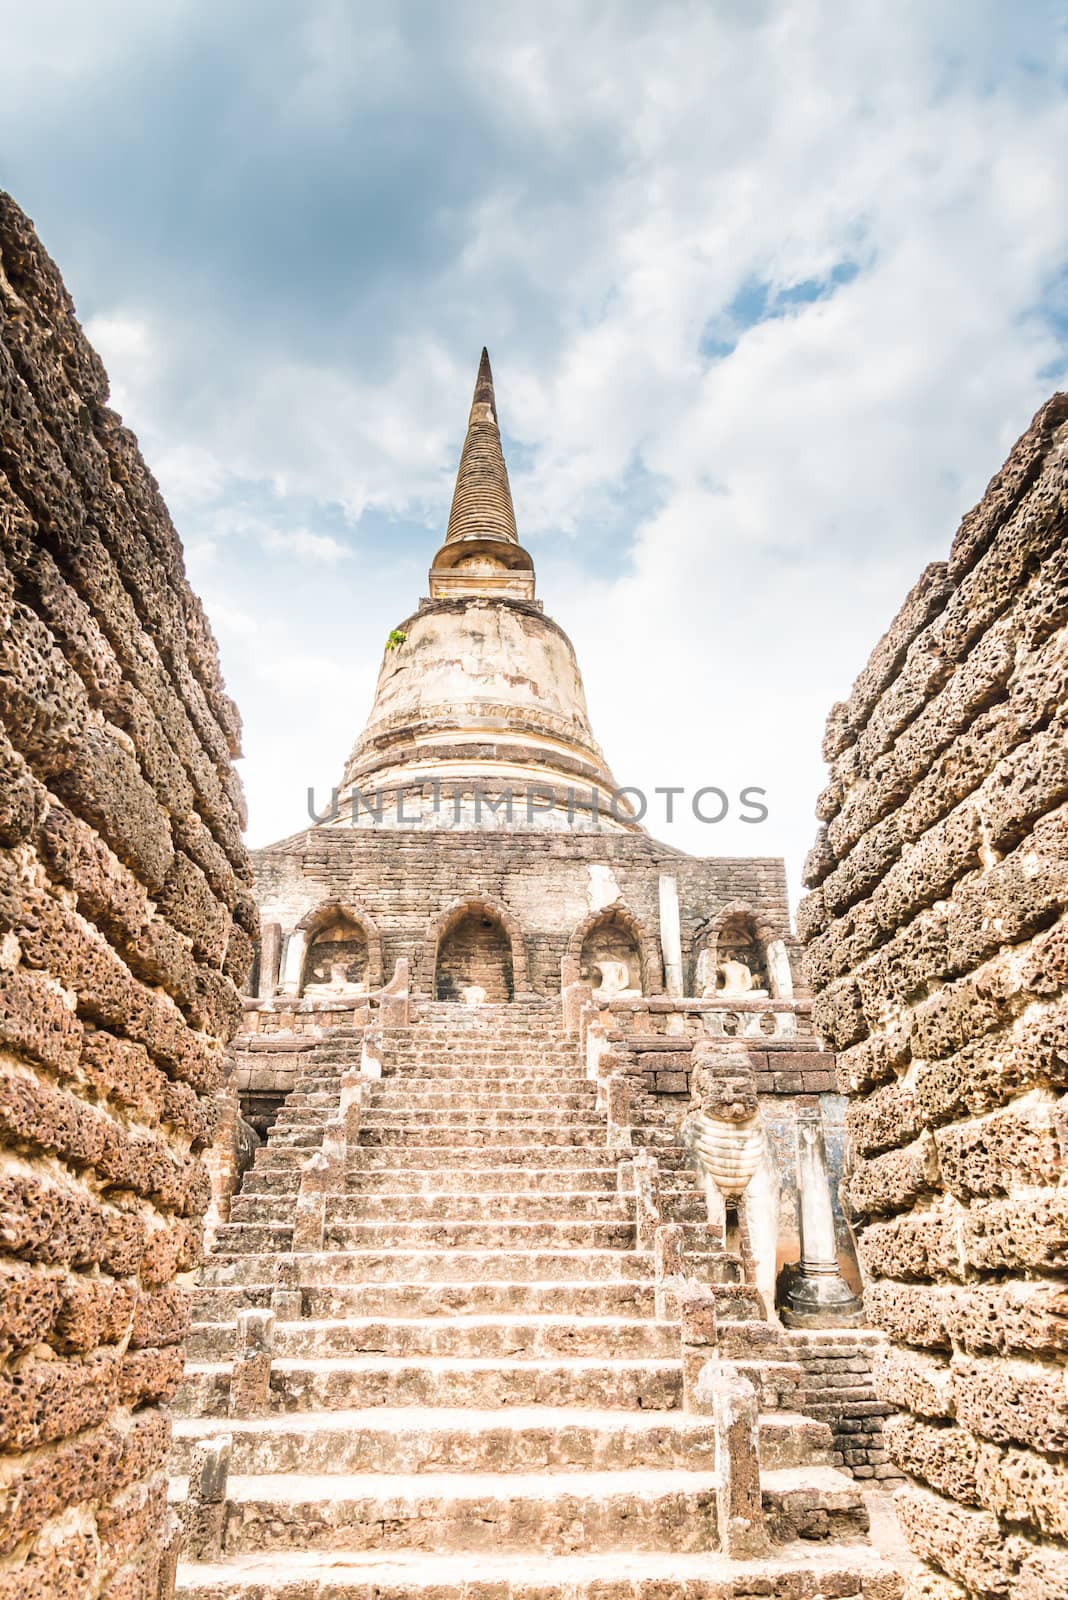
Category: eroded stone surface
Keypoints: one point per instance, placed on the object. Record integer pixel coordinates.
(481, 1360)
(121, 866)
(937, 937)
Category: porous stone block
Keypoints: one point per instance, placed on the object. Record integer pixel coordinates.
(120, 860)
(938, 955)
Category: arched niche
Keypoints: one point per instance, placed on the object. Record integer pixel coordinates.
(610, 939)
(341, 943)
(475, 942)
(740, 939)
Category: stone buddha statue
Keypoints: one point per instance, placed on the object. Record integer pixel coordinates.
(338, 983)
(733, 979)
(615, 981)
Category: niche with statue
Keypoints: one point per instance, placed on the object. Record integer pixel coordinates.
(733, 962)
(337, 959)
(611, 958)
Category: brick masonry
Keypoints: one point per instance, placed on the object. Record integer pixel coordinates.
(838, 1390)
(937, 945)
(126, 927)
(548, 882)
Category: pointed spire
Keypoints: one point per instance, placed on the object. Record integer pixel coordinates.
(482, 499)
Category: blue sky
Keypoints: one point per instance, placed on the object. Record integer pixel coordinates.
(769, 291)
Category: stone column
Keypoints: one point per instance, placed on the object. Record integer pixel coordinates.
(270, 959)
(617, 1107)
(393, 1002)
(697, 1324)
(309, 1213)
(669, 1246)
(574, 994)
(818, 1296)
(294, 967)
(646, 1170)
(221, 1156)
(287, 1301)
(170, 1548)
(779, 975)
(204, 1509)
(250, 1375)
(732, 1401)
(670, 934)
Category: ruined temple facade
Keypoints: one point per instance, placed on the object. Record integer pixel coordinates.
(937, 944)
(478, 831)
(478, 854)
(479, 1297)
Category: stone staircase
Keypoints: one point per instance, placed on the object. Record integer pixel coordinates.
(466, 1393)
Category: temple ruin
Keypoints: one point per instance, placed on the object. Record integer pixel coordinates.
(937, 946)
(457, 1199)
(550, 1143)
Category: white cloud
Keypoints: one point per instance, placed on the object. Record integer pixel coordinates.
(665, 160)
(303, 542)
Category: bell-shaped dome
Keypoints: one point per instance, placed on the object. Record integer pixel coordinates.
(479, 718)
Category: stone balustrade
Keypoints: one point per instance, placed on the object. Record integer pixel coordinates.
(736, 1016)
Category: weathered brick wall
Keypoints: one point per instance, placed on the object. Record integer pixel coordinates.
(547, 882)
(938, 947)
(125, 923)
(837, 1389)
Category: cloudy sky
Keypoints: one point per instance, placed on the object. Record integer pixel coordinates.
(769, 291)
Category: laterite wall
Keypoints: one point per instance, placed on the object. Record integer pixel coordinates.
(125, 924)
(938, 950)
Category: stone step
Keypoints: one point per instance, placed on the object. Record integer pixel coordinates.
(735, 1302)
(460, 1133)
(523, 1439)
(469, 1081)
(323, 1301)
(382, 1171)
(268, 1181)
(353, 1382)
(490, 1062)
(239, 1237)
(439, 1266)
(459, 1118)
(440, 1045)
(277, 1205)
(488, 1234)
(235, 1238)
(520, 1439)
(434, 1155)
(559, 1512)
(445, 1032)
(485, 1098)
(488, 1512)
(386, 1176)
(468, 1337)
(273, 1204)
(269, 1159)
(446, 1036)
(545, 1016)
(800, 1572)
(534, 1206)
(505, 1073)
